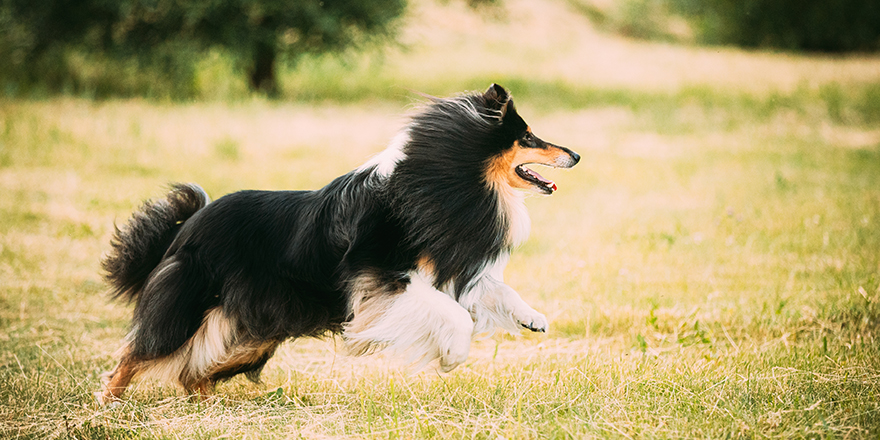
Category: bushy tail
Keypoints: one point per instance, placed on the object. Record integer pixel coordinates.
(139, 246)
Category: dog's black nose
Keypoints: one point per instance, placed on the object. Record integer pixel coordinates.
(576, 157)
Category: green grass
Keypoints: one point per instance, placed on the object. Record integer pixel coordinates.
(710, 269)
(351, 78)
(386, 75)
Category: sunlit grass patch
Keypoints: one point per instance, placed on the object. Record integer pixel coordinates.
(710, 269)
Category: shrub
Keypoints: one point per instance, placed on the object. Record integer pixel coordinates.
(812, 25)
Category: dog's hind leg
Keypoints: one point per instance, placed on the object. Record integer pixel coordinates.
(216, 352)
(201, 390)
(115, 382)
(247, 358)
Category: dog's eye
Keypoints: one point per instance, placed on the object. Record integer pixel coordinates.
(529, 141)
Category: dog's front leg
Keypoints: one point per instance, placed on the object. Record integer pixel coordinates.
(495, 304)
(420, 322)
(522, 313)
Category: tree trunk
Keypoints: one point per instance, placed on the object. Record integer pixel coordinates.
(263, 71)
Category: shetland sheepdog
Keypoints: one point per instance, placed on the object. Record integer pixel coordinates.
(405, 253)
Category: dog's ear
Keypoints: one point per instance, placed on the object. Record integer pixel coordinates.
(497, 98)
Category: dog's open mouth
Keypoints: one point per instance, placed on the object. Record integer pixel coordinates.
(536, 179)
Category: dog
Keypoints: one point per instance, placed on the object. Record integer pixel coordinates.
(405, 254)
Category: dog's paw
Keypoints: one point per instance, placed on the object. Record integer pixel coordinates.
(455, 344)
(105, 400)
(454, 356)
(533, 321)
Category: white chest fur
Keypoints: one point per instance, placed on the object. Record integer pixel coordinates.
(513, 209)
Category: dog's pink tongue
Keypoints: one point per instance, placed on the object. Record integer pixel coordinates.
(548, 183)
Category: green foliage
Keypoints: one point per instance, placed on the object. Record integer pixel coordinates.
(814, 25)
(44, 40)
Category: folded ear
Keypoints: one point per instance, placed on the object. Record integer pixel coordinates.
(497, 98)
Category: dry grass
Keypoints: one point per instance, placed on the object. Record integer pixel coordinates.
(721, 281)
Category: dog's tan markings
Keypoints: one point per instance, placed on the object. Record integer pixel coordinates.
(210, 352)
(203, 383)
(117, 381)
(242, 356)
(425, 265)
(214, 350)
(211, 342)
(500, 169)
(204, 389)
(502, 178)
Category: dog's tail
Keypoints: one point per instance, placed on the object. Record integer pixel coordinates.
(139, 247)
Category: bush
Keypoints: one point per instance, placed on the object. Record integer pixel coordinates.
(813, 25)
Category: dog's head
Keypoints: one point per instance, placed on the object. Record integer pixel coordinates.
(520, 147)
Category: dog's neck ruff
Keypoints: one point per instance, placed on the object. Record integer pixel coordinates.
(438, 192)
(433, 176)
(383, 164)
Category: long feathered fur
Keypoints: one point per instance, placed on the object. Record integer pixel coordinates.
(137, 248)
(439, 192)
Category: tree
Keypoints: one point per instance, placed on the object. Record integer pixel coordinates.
(255, 31)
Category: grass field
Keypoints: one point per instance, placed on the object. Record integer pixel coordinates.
(711, 268)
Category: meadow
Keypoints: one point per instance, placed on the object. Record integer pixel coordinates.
(711, 268)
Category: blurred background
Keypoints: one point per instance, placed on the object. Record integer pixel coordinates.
(350, 50)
